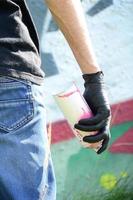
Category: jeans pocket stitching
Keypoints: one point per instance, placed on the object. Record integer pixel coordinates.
(25, 119)
(22, 121)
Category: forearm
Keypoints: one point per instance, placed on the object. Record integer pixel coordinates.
(70, 18)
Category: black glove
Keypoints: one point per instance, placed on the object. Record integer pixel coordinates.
(96, 97)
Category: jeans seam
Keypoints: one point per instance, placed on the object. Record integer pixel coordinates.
(43, 192)
(30, 100)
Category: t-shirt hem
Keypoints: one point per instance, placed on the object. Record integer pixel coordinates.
(23, 75)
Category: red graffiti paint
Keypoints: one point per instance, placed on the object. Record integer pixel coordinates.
(121, 112)
(123, 144)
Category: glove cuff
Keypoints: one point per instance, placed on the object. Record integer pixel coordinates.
(94, 77)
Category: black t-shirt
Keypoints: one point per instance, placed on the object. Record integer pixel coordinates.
(19, 44)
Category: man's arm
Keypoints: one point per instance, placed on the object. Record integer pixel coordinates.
(70, 18)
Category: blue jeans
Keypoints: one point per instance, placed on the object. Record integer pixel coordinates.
(26, 170)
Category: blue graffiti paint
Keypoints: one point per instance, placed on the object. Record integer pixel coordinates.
(99, 6)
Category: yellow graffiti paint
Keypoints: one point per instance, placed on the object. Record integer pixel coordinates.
(124, 174)
(108, 181)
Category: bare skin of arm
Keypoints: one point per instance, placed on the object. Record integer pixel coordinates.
(70, 18)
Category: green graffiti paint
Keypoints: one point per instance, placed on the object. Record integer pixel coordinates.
(78, 169)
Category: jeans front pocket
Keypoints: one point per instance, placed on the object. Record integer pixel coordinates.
(16, 104)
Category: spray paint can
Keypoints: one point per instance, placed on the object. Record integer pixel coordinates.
(74, 108)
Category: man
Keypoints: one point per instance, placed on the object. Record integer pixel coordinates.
(26, 171)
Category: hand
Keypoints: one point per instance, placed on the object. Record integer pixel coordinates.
(96, 97)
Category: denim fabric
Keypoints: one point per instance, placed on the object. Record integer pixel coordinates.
(26, 170)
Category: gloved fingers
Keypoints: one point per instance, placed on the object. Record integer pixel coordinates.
(101, 115)
(93, 120)
(87, 128)
(104, 145)
(95, 138)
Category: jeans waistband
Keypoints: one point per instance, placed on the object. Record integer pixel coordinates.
(9, 79)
